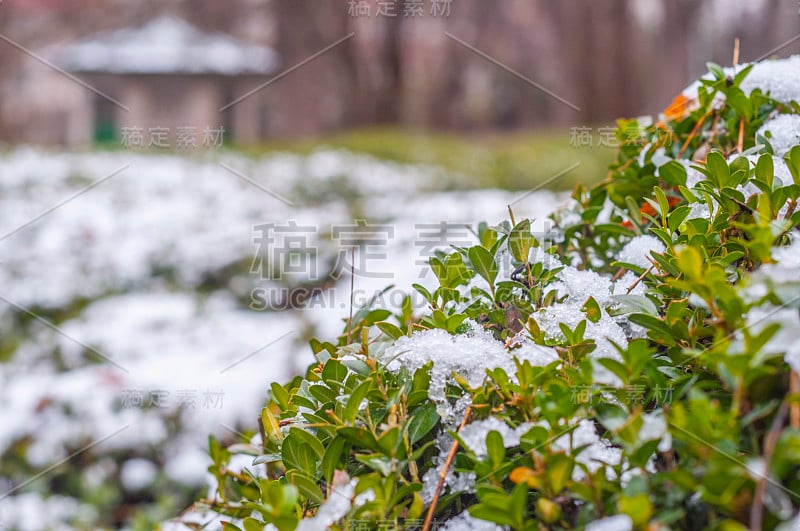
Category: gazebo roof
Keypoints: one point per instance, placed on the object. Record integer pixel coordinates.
(167, 45)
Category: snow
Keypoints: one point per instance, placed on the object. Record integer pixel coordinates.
(785, 339)
(138, 474)
(464, 522)
(654, 427)
(598, 452)
(30, 512)
(780, 78)
(784, 133)
(338, 504)
(693, 176)
(166, 45)
(469, 355)
(127, 257)
(602, 331)
(474, 434)
(619, 522)
(454, 481)
(782, 275)
(579, 285)
(626, 281)
(637, 251)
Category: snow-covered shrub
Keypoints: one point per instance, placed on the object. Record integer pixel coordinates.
(637, 373)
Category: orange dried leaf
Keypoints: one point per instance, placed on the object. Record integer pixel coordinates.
(680, 107)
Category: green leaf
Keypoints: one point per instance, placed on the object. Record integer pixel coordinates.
(308, 439)
(267, 458)
(663, 204)
(793, 161)
(390, 330)
(690, 263)
(718, 168)
(495, 448)
(634, 303)
(306, 485)
(280, 395)
(298, 455)
(423, 421)
(559, 471)
(737, 99)
(454, 321)
(650, 322)
(354, 402)
(483, 262)
(251, 524)
(359, 437)
(674, 173)
(520, 241)
(638, 507)
(377, 462)
(592, 310)
(388, 441)
(715, 69)
(332, 457)
(533, 438)
(334, 373)
(271, 426)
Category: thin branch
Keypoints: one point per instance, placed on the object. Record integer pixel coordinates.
(694, 132)
(619, 274)
(443, 474)
(647, 272)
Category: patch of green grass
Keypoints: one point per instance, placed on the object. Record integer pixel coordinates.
(519, 161)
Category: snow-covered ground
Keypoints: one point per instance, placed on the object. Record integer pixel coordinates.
(131, 311)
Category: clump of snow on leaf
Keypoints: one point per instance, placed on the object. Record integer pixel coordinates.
(638, 250)
(598, 452)
(779, 78)
(474, 434)
(468, 355)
